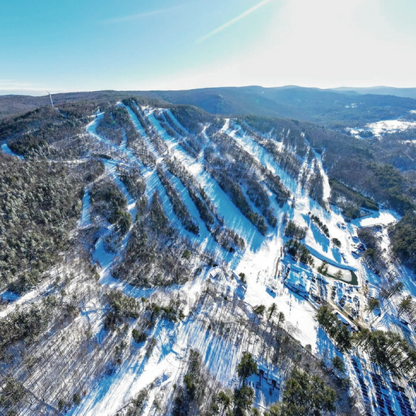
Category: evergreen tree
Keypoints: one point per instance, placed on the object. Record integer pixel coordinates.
(304, 395)
(373, 304)
(247, 367)
(243, 400)
(405, 305)
(271, 311)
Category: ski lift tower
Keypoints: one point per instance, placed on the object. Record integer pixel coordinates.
(50, 97)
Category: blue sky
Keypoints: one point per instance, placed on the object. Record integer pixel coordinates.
(74, 45)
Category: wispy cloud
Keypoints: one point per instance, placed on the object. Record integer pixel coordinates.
(142, 15)
(232, 21)
(10, 86)
(11, 83)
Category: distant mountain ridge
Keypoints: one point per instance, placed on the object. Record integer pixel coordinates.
(398, 92)
(334, 108)
(325, 107)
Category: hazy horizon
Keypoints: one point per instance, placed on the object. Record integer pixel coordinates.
(45, 92)
(188, 44)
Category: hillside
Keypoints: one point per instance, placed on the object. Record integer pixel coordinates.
(200, 252)
(307, 104)
(336, 109)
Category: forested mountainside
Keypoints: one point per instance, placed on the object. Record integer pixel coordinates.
(398, 92)
(156, 258)
(335, 108)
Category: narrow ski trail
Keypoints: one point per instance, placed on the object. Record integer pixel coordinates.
(304, 204)
(204, 239)
(232, 216)
(106, 259)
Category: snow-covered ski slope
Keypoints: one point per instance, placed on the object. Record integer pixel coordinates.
(261, 261)
(6, 149)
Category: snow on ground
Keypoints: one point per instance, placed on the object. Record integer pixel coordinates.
(123, 152)
(26, 299)
(143, 133)
(176, 122)
(315, 240)
(110, 167)
(221, 354)
(136, 372)
(382, 217)
(264, 287)
(260, 262)
(233, 217)
(264, 158)
(44, 288)
(329, 260)
(85, 213)
(6, 149)
(390, 126)
(205, 240)
(326, 186)
(299, 314)
(380, 128)
(139, 371)
(354, 132)
(104, 258)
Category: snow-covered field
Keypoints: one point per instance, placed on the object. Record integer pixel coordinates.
(390, 126)
(380, 128)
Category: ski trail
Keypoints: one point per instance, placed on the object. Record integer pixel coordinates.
(166, 363)
(233, 218)
(303, 201)
(177, 124)
(86, 205)
(265, 159)
(303, 204)
(205, 240)
(143, 133)
(326, 185)
(104, 258)
(6, 149)
(111, 167)
(121, 150)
